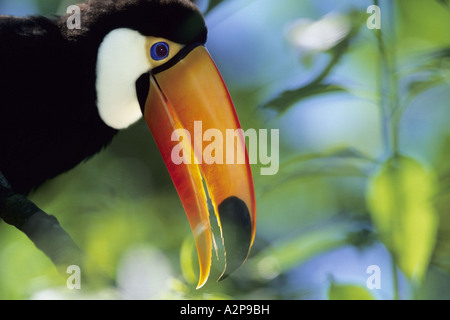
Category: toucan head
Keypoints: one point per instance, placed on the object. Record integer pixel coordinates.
(152, 63)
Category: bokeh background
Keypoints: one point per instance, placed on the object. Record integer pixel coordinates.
(364, 174)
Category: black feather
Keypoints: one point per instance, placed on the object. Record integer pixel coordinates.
(49, 121)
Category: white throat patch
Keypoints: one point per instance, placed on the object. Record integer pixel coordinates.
(121, 61)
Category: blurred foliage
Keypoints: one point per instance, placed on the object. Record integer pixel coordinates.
(212, 4)
(444, 2)
(348, 292)
(399, 199)
(335, 188)
(318, 86)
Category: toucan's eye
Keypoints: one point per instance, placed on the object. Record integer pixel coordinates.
(159, 51)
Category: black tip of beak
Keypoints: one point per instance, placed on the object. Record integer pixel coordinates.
(236, 232)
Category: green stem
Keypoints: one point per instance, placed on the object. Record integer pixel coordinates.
(383, 93)
(388, 87)
(395, 279)
(333, 62)
(393, 75)
(389, 100)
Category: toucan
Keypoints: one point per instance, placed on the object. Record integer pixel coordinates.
(66, 92)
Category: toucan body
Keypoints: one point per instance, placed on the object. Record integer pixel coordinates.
(65, 93)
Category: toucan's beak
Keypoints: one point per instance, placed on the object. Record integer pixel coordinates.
(189, 104)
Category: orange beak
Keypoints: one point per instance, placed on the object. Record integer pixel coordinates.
(188, 104)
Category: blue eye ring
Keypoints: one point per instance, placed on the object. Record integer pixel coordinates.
(159, 51)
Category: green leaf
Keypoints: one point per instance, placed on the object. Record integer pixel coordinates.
(338, 162)
(290, 97)
(417, 87)
(399, 198)
(335, 153)
(283, 255)
(445, 3)
(318, 86)
(212, 4)
(348, 292)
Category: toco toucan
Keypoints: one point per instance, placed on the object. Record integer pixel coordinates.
(66, 92)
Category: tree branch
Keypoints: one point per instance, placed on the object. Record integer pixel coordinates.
(47, 234)
(42, 229)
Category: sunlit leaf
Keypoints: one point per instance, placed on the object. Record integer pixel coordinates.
(399, 198)
(348, 292)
